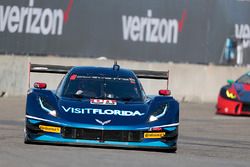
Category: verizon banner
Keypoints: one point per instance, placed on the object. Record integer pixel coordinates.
(31, 20)
(145, 30)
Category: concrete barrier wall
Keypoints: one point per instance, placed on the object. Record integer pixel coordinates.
(188, 82)
(13, 75)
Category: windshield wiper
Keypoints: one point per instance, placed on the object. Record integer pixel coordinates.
(78, 96)
(126, 99)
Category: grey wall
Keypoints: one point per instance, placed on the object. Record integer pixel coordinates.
(121, 29)
(187, 82)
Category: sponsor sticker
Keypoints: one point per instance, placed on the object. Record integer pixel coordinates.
(103, 102)
(51, 129)
(101, 111)
(154, 135)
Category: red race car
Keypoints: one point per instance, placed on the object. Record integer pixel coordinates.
(234, 98)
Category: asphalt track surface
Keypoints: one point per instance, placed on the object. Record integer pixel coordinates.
(206, 140)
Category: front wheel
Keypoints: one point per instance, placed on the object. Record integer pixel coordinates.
(172, 150)
(26, 138)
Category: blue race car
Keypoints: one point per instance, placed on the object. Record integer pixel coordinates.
(101, 107)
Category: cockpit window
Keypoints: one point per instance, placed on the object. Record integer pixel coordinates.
(124, 89)
(244, 79)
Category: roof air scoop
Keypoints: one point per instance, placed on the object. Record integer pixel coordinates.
(116, 67)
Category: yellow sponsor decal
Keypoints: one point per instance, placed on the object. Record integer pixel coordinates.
(154, 135)
(51, 129)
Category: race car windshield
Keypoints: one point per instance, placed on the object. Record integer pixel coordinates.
(124, 89)
(244, 79)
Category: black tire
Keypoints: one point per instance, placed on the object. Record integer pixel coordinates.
(26, 141)
(26, 138)
(172, 150)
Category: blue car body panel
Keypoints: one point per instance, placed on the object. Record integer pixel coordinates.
(123, 124)
(243, 94)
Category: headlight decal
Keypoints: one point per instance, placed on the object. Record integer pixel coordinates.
(157, 115)
(47, 109)
(42, 106)
(164, 112)
(230, 95)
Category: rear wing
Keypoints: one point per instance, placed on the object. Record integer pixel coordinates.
(59, 69)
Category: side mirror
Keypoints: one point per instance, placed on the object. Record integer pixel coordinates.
(164, 92)
(40, 85)
(230, 81)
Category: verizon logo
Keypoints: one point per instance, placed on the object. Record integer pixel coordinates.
(152, 29)
(242, 31)
(33, 20)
